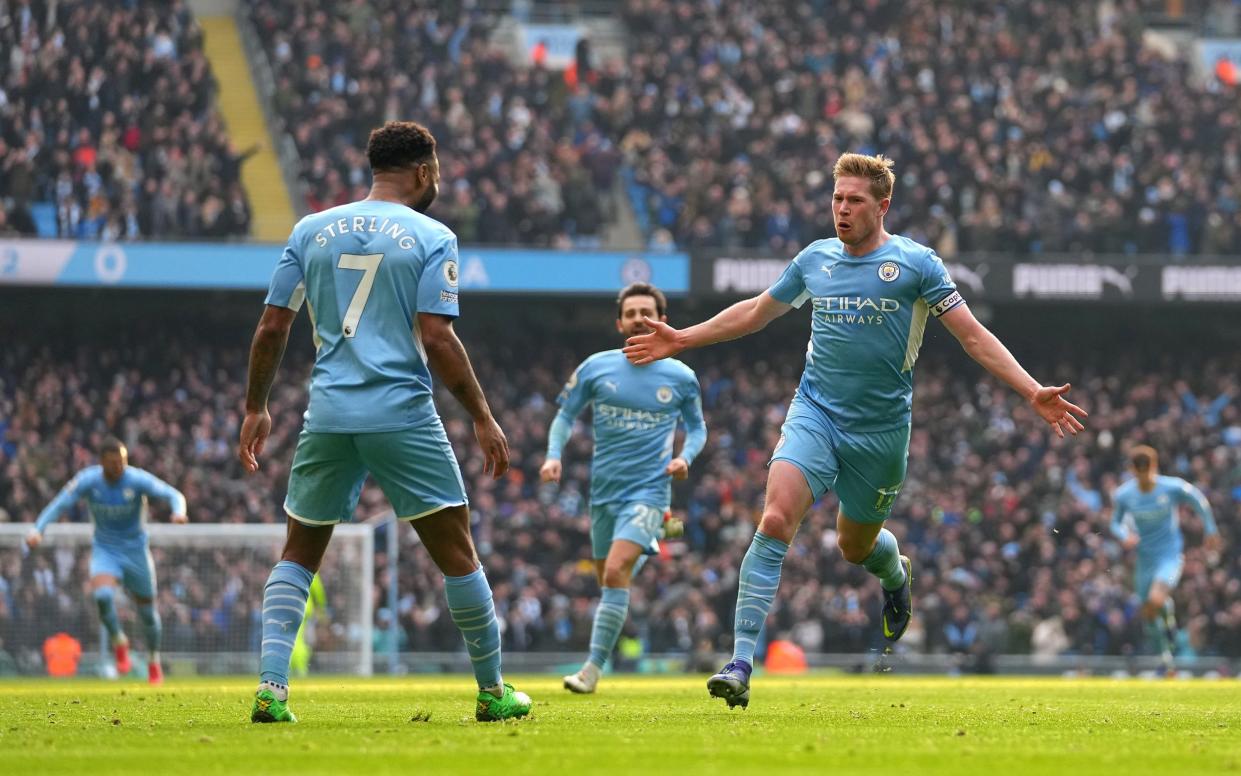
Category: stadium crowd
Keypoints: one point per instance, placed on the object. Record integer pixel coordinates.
(1003, 119)
(522, 162)
(1007, 526)
(107, 113)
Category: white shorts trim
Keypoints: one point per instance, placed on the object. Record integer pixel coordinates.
(308, 521)
(433, 510)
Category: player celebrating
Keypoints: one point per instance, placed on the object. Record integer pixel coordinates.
(847, 427)
(1149, 501)
(116, 495)
(380, 280)
(635, 418)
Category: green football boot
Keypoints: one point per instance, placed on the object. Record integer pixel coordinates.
(511, 705)
(268, 708)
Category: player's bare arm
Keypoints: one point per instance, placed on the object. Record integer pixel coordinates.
(451, 364)
(985, 348)
(266, 351)
(744, 317)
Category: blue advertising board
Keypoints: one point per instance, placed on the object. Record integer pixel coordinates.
(249, 266)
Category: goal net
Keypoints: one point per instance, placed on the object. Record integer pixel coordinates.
(210, 580)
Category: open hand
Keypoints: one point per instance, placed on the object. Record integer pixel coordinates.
(254, 431)
(662, 341)
(1051, 406)
(495, 447)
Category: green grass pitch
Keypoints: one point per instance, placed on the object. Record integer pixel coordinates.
(815, 724)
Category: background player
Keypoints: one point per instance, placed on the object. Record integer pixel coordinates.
(1144, 517)
(380, 280)
(315, 612)
(116, 495)
(847, 427)
(636, 410)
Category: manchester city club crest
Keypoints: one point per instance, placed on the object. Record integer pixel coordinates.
(664, 394)
(889, 271)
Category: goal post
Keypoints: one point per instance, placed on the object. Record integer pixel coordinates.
(209, 580)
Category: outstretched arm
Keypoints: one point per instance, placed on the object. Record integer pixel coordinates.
(986, 349)
(451, 364)
(266, 350)
(744, 317)
(52, 512)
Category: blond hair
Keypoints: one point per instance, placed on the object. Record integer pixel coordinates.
(877, 169)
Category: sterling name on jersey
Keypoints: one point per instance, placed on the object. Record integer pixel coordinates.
(1154, 516)
(365, 271)
(869, 313)
(118, 509)
(636, 410)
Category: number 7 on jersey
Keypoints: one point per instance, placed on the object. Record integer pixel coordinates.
(369, 264)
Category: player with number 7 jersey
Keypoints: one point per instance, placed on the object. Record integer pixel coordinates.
(379, 280)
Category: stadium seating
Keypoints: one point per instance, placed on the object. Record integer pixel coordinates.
(108, 128)
(1008, 529)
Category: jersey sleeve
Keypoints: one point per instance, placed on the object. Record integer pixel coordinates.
(790, 287)
(695, 424)
(576, 393)
(1118, 526)
(156, 488)
(288, 282)
(72, 491)
(937, 289)
(437, 288)
(1196, 500)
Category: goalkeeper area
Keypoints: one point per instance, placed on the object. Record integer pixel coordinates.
(809, 724)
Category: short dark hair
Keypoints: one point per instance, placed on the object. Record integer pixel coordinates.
(642, 289)
(399, 145)
(1143, 457)
(111, 445)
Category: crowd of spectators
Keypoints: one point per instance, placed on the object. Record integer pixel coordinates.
(1006, 525)
(1036, 127)
(521, 160)
(1028, 127)
(107, 113)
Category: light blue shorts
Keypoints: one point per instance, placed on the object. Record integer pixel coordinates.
(415, 467)
(134, 568)
(1163, 568)
(633, 521)
(866, 469)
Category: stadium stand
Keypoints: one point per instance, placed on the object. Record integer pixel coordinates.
(108, 128)
(1008, 527)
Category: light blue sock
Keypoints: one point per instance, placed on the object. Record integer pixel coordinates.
(756, 591)
(885, 561)
(471, 607)
(284, 605)
(609, 619)
(152, 624)
(105, 599)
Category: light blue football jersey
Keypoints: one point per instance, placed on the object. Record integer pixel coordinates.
(869, 314)
(118, 510)
(636, 411)
(365, 271)
(1153, 515)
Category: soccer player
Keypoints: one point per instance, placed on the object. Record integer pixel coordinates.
(636, 410)
(847, 428)
(380, 280)
(116, 495)
(1144, 517)
(316, 609)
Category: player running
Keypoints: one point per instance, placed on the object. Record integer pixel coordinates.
(116, 495)
(847, 428)
(380, 281)
(1144, 517)
(636, 410)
